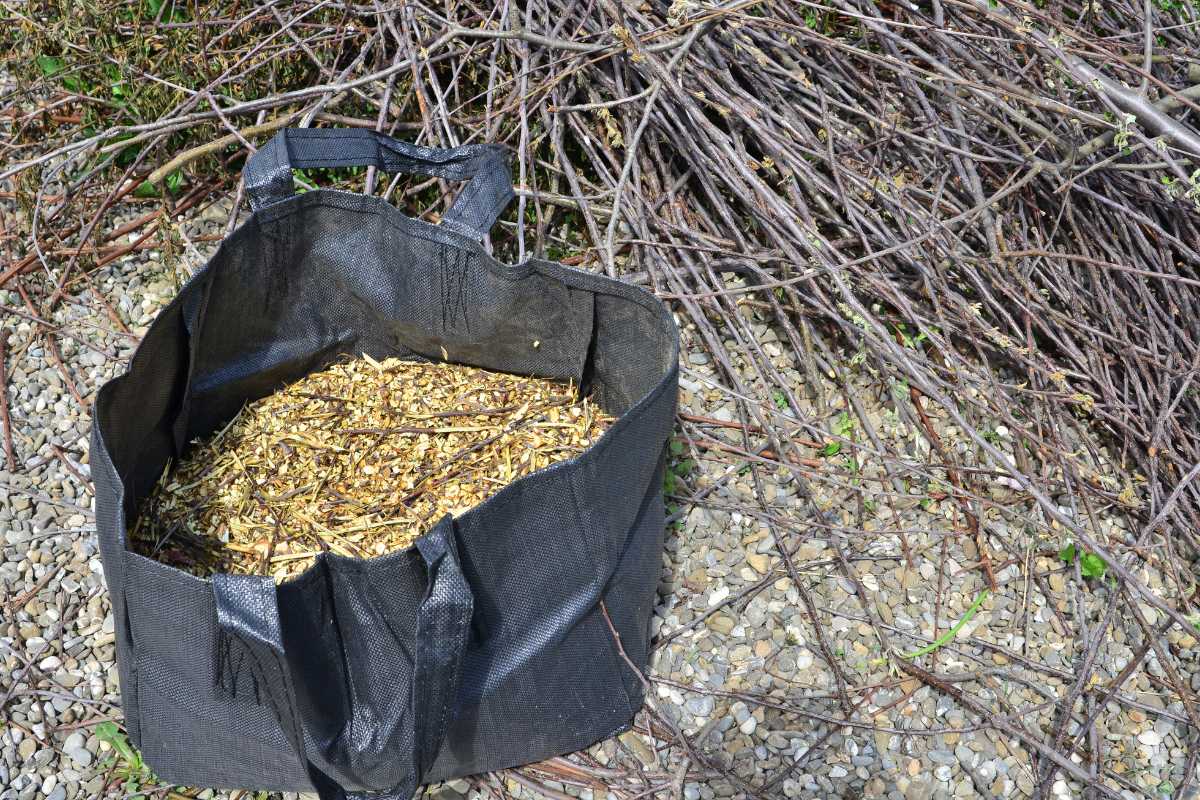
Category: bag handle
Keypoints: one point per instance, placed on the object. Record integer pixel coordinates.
(268, 173)
(250, 637)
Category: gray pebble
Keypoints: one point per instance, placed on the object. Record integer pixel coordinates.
(700, 705)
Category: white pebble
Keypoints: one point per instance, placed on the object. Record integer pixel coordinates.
(1150, 738)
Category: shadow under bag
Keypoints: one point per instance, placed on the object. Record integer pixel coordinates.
(482, 646)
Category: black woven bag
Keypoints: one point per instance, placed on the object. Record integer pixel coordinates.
(485, 644)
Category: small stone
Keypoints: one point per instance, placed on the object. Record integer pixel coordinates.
(919, 790)
(759, 562)
(68, 680)
(1150, 738)
(26, 747)
(639, 748)
(749, 725)
(700, 705)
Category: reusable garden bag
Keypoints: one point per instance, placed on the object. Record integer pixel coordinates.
(485, 644)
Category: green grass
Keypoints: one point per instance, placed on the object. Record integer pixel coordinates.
(133, 775)
(949, 634)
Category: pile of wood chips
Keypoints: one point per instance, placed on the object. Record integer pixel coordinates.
(358, 459)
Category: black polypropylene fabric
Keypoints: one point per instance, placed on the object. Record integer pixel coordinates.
(485, 644)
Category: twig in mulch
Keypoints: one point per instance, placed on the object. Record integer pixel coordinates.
(1004, 725)
(84, 483)
(9, 457)
(17, 602)
(961, 495)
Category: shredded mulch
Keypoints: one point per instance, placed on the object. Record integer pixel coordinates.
(359, 459)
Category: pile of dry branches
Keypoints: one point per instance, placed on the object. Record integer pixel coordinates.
(991, 206)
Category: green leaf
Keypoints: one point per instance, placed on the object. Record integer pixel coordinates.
(831, 449)
(780, 400)
(844, 425)
(174, 14)
(676, 447)
(685, 467)
(302, 181)
(50, 65)
(126, 155)
(122, 746)
(173, 183)
(1092, 566)
(109, 732)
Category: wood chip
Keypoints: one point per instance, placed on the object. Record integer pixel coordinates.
(358, 459)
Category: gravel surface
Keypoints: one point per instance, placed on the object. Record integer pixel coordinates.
(754, 656)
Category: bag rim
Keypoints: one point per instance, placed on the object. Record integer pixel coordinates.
(350, 201)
